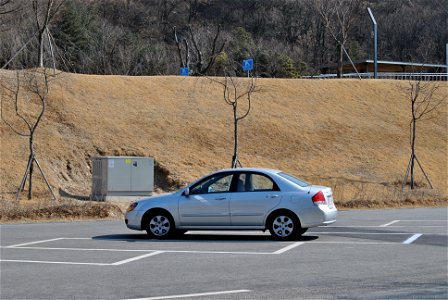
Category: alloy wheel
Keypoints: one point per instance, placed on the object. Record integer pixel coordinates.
(283, 226)
(159, 225)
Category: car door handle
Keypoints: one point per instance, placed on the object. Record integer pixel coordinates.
(275, 196)
(221, 198)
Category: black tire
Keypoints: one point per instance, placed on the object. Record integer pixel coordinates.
(285, 226)
(302, 230)
(160, 225)
(179, 233)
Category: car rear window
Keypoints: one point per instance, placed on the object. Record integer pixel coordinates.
(294, 179)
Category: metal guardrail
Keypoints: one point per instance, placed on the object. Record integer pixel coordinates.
(383, 75)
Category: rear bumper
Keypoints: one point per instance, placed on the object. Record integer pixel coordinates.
(320, 215)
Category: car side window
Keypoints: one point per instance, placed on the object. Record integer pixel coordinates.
(215, 184)
(262, 183)
(251, 182)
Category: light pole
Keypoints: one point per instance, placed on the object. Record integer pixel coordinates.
(375, 43)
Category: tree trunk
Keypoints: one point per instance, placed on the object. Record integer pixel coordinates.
(341, 60)
(41, 48)
(30, 182)
(235, 137)
(413, 151)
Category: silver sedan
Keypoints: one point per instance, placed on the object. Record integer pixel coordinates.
(237, 199)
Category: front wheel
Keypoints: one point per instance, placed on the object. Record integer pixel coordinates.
(285, 226)
(160, 225)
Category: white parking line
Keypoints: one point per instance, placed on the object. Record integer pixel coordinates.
(420, 226)
(283, 250)
(359, 233)
(424, 220)
(146, 250)
(35, 242)
(394, 226)
(412, 238)
(81, 249)
(53, 262)
(216, 252)
(153, 252)
(358, 243)
(390, 223)
(122, 262)
(194, 295)
(158, 251)
(118, 263)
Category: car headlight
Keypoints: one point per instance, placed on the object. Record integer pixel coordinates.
(132, 206)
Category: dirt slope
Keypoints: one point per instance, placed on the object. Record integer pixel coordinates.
(350, 134)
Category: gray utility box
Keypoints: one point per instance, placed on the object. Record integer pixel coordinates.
(122, 176)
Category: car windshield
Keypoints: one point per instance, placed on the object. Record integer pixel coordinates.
(294, 179)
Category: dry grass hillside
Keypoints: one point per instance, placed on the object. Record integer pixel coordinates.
(349, 134)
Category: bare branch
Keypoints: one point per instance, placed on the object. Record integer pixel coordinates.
(213, 53)
(41, 94)
(14, 98)
(179, 51)
(4, 6)
(198, 51)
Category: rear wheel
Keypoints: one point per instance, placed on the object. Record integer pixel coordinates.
(285, 226)
(160, 225)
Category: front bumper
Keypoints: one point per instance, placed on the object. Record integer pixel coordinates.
(133, 220)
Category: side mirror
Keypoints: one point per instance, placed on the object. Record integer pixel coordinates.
(186, 192)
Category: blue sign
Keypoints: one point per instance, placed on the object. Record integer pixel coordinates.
(184, 71)
(248, 64)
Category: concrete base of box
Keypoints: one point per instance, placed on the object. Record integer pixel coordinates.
(120, 198)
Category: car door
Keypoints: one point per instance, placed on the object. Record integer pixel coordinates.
(256, 194)
(207, 203)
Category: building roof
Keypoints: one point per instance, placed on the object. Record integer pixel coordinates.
(367, 65)
(385, 62)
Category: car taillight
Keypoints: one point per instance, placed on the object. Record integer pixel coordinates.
(318, 198)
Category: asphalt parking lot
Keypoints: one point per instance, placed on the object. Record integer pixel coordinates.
(371, 254)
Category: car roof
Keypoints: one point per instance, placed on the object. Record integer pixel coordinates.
(264, 170)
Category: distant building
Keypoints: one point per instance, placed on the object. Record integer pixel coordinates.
(367, 66)
(386, 70)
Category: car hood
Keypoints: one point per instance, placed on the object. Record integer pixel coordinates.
(156, 197)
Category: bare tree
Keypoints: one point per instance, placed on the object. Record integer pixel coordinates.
(184, 63)
(166, 10)
(205, 62)
(43, 18)
(423, 101)
(339, 16)
(192, 6)
(237, 92)
(29, 88)
(206, 47)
